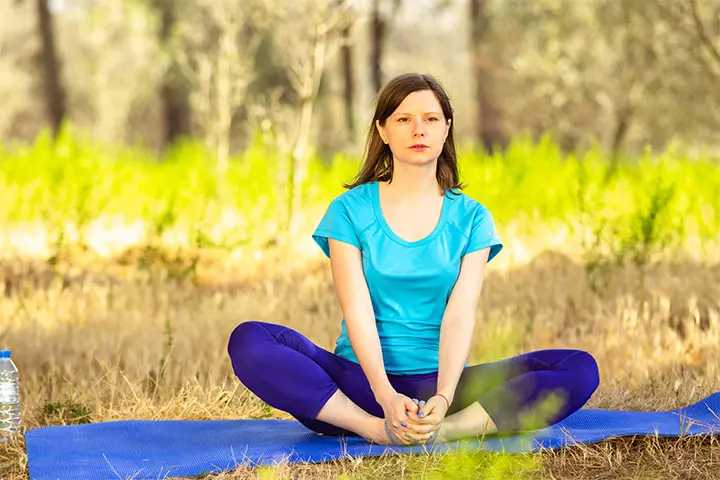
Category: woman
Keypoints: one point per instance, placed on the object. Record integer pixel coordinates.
(408, 252)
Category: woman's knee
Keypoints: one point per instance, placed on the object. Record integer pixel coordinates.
(587, 371)
(244, 337)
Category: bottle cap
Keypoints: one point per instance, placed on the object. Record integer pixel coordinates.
(4, 353)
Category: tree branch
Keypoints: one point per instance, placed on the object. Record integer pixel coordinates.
(702, 32)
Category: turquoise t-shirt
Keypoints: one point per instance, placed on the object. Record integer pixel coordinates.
(409, 282)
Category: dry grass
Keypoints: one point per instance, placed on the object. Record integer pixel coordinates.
(108, 340)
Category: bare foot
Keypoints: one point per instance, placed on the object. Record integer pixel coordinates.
(377, 434)
(442, 435)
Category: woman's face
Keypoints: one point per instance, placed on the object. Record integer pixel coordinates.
(417, 129)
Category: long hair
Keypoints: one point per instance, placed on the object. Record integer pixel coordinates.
(378, 159)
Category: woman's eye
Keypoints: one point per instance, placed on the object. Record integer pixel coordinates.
(433, 119)
(402, 119)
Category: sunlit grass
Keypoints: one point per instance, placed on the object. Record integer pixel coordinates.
(111, 341)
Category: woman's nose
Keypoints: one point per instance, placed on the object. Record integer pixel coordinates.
(418, 128)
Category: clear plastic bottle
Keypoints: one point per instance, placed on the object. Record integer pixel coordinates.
(9, 397)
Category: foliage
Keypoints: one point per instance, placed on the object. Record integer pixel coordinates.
(657, 201)
(457, 466)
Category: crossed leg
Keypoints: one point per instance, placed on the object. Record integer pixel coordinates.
(331, 395)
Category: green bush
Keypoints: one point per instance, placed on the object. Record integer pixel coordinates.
(648, 203)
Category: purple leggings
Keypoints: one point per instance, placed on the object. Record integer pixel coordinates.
(288, 372)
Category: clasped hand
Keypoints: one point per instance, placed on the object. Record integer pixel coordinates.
(412, 421)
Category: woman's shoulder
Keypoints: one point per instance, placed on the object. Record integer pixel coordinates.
(463, 204)
(356, 205)
(467, 211)
(355, 198)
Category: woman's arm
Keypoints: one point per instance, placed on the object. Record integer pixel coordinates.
(354, 297)
(459, 320)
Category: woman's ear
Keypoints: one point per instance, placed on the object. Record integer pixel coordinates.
(447, 132)
(381, 131)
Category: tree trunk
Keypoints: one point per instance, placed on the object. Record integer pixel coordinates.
(174, 93)
(490, 131)
(223, 99)
(624, 116)
(52, 85)
(298, 165)
(624, 119)
(346, 67)
(377, 38)
(297, 170)
(348, 82)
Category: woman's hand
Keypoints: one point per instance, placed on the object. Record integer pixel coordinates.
(432, 413)
(399, 413)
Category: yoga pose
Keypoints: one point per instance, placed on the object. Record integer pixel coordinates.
(407, 253)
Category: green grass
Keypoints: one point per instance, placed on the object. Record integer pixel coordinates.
(656, 201)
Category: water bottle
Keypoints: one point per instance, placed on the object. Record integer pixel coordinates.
(9, 397)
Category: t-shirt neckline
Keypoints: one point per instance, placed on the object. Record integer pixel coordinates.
(375, 189)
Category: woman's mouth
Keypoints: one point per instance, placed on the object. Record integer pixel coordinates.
(419, 147)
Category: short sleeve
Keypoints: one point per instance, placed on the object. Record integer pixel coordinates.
(336, 224)
(483, 234)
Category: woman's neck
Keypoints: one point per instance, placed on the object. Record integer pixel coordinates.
(413, 184)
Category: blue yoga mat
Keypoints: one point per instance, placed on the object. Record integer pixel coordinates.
(169, 448)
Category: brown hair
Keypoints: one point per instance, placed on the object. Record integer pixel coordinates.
(378, 162)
